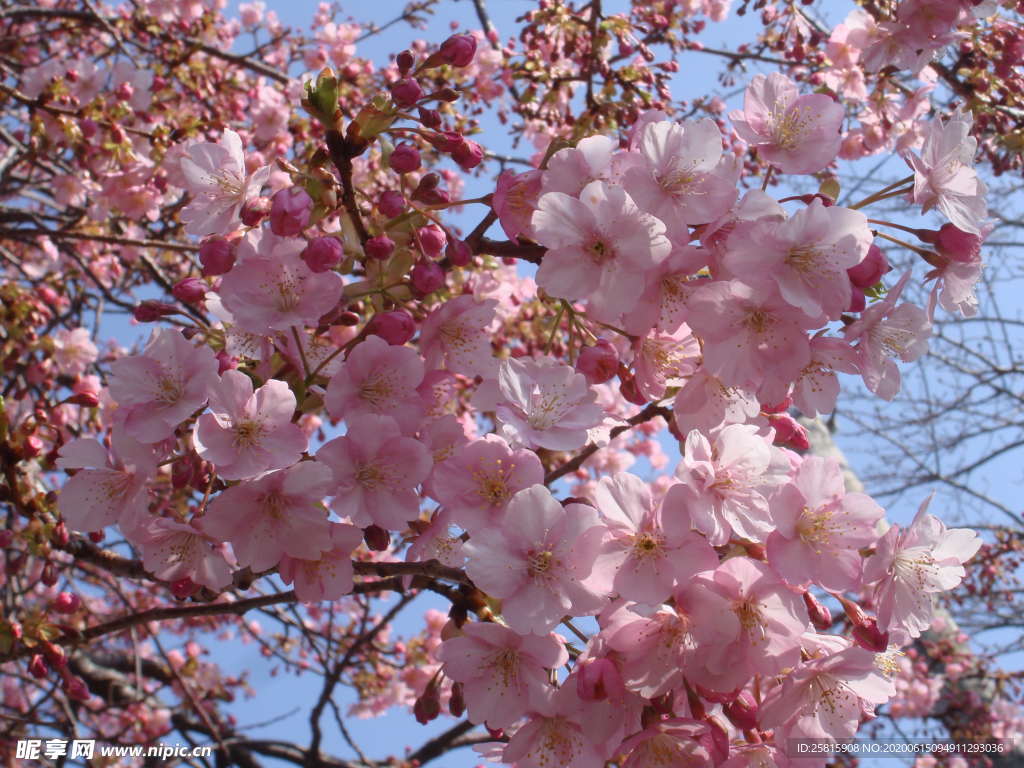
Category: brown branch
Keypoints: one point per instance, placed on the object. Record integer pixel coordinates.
(341, 156)
(530, 252)
(441, 743)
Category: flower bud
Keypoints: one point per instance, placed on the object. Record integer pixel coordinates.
(598, 363)
(870, 270)
(89, 128)
(789, 432)
(868, 636)
(405, 158)
(191, 290)
(76, 688)
(458, 50)
(395, 327)
(427, 706)
(379, 247)
(446, 141)
(31, 447)
(742, 711)
(254, 211)
(54, 654)
(780, 407)
(599, 679)
(225, 362)
(426, 277)
(84, 399)
(322, 253)
(458, 253)
(37, 667)
(290, 211)
(447, 94)
(391, 204)
(60, 535)
(405, 61)
(457, 701)
(124, 91)
(468, 155)
(67, 602)
(629, 390)
(406, 92)
(217, 255)
(858, 301)
(958, 245)
(49, 576)
(150, 310)
(432, 240)
(6, 538)
(376, 538)
(184, 588)
(820, 615)
(430, 118)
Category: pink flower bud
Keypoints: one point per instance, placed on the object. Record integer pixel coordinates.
(458, 253)
(629, 390)
(217, 255)
(391, 204)
(254, 211)
(76, 688)
(31, 447)
(49, 576)
(184, 588)
(430, 118)
(781, 407)
(395, 327)
(598, 363)
(955, 244)
(458, 50)
(742, 711)
(858, 301)
(432, 239)
(406, 92)
(599, 679)
(190, 290)
(870, 270)
(426, 277)
(289, 211)
(89, 128)
(868, 636)
(85, 399)
(67, 602)
(150, 311)
(468, 155)
(405, 61)
(54, 655)
(37, 667)
(124, 91)
(379, 247)
(457, 701)
(789, 432)
(322, 253)
(427, 706)
(225, 362)
(820, 615)
(376, 538)
(405, 158)
(446, 141)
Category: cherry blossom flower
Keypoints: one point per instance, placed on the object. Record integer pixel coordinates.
(910, 566)
(73, 351)
(663, 360)
(677, 742)
(279, 513)
(329, 576)
(678, 173)
(705, 404)
(820, 527)
(502, 672)
(109, 487)
(599, 248)
(249, 432)
(555, 734)
(884, 331)
(375, 471)
(215, 174)
(545, 403)
(515, 200)
(795, 133)
(663, 303)
(638, 560)
(457, 334)
(806, 256)
(943, 174)
(824, 697)
(172, 551)
(817, 387)
(721, 485)
(537, 562)
(163, 386)
(475, 485)
(378, 378)
(571, 169)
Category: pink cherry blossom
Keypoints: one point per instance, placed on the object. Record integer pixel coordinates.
(475, 485)
(795, 133)
(806, 255)
(376, 470)
(163, 386)
(216, 177)
(457, 334)
(705, 404)
(275, 292)
(676, 742)
(502, 672)
(823, 698)
(669, 285)
(109, 486)
(820, 527)
(771, 619)
(910, 566)
(599, 248)
(721, 484)
(544, 403)
(249, 432)
(638, 559)
(753, 339)
(280, 513)
(943, 174)
(665, 360)
(537, 562)
(378, 378)
(571, 169)
(73, 351)
(884, 331)
(680, 174)
(817, 387)
(172, 551)
(515, 200)
(328, 577)
(555, 734)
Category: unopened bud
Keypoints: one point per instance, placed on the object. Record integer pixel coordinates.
(432, 240)
(76, 688)
(820, 615)
(458, 50)
(54, 654)
(870, 270)
(458, 253)
(84, 399)
(789, 432)
(290, 211)
(184, 588)
(322, 253)
(191, 290)
(395, 327)
(151, 310)
(598, 363)
(37, 667)
(406, 92)
(405, 61)
(742, 711)
(391, 204)
(868, 636)
(377, 539)
(430, 118)
(254, 211)
(67, 602)
(60, 535)
(427, 706)
(426, 277)
(405, 158)
(958, 245)
(629, 390)
(49, 576)
(457, 701)
(468, 155)
(217, 255)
